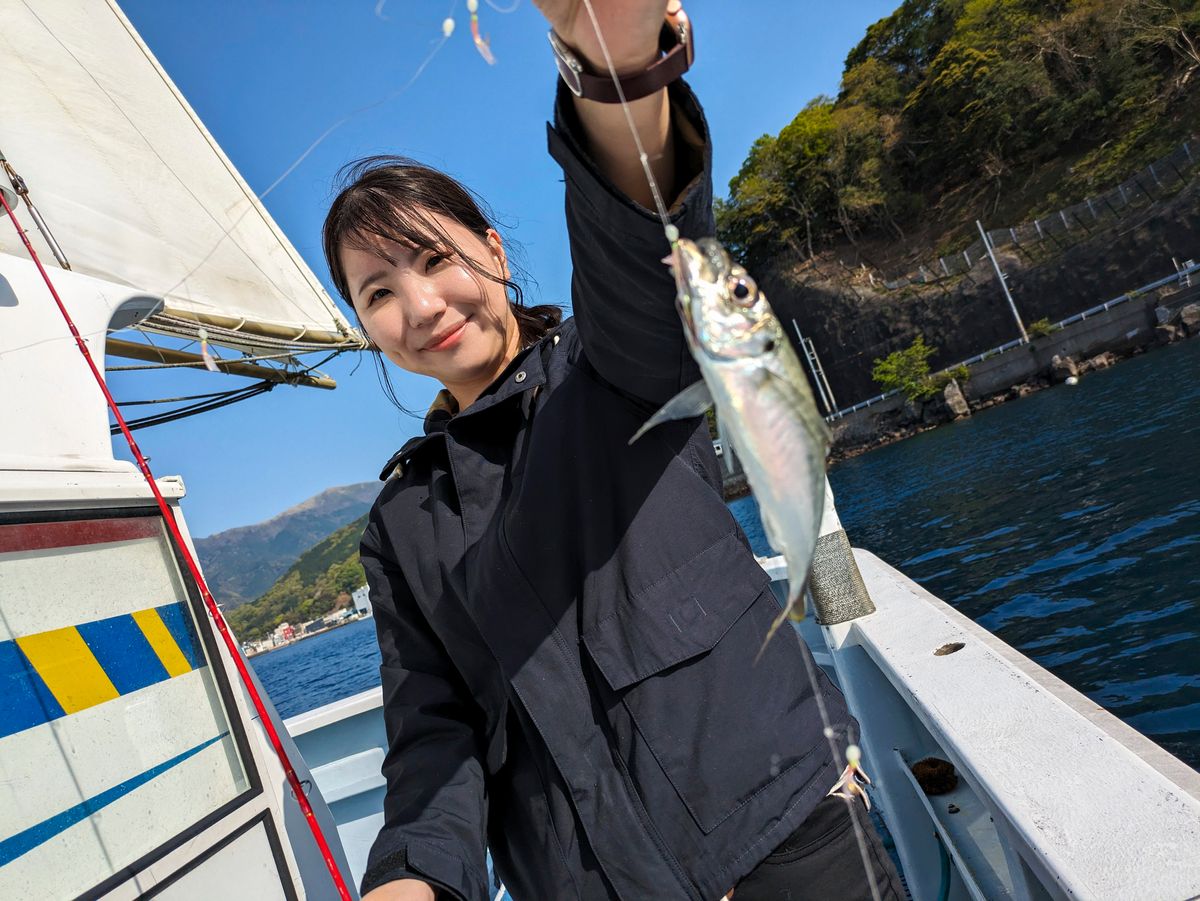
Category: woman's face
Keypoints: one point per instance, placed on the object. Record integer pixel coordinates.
(429, 313)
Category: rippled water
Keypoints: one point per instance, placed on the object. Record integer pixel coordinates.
(320, 669)
(1068, 523)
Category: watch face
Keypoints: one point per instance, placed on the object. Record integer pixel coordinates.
(570, 76)
(568, 65)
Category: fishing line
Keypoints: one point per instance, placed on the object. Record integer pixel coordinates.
(353, 114)
(672, 235)
(348, 117)
(50, 33)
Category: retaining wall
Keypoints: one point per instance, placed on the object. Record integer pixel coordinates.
(1120, 328)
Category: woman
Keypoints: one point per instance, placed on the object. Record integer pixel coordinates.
(569, 625)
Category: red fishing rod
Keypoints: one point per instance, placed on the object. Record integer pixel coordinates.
(211, 605)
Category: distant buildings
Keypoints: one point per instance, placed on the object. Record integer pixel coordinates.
(286, 633)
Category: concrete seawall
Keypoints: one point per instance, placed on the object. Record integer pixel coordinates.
(1120, 330)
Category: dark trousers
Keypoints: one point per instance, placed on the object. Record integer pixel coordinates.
(822, 860)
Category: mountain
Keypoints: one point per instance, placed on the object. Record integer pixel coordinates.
(320, 580)
(241, 563)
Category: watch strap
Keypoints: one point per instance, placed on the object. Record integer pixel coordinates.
(676, 46)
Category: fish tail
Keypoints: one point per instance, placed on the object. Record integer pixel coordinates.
(794, 610)
(783, 614)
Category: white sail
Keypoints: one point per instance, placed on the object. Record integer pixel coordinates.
(135, 189)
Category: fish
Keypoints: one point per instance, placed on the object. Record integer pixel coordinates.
(764, 406)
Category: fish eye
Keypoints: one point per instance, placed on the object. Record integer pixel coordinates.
(743, 290)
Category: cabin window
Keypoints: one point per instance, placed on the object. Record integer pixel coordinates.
(118, 737)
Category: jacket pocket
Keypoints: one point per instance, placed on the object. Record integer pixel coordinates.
(680, 657)
(683, 614)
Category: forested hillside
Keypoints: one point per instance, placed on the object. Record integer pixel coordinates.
(952, 110)
(243, 562)
(321, 580)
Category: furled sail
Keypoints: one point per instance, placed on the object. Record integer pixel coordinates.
(136, 191)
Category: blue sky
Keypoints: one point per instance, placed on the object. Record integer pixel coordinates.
(268, 76)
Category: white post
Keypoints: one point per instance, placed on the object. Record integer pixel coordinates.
(812, 367)
(1003, 282)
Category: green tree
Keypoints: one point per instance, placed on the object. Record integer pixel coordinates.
(946, 102)
(907, 371)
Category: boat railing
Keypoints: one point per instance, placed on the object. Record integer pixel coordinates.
(1055, 797)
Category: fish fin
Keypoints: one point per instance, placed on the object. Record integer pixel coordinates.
(795, 602)
(691, 401)
(794, 608)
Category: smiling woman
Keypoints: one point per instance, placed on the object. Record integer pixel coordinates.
(570, 626)
(428, 277)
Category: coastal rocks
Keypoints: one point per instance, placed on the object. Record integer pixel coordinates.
(954, 400)
(1100, 361)
(946, 406)
(1062, 368)
(1166, 333)
(1189, 318)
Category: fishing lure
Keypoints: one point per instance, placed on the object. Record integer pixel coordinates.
(209, 363)
(854, 780)
(481, 43)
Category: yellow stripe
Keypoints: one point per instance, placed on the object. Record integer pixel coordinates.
(69, 668)
(160, 639)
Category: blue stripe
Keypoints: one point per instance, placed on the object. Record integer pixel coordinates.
(179, 624)
(25, 701)
(26, 841)
(124, 653)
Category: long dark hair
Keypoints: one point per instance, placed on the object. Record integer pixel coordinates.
(394, 197)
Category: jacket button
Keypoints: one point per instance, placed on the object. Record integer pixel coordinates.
(521, 376)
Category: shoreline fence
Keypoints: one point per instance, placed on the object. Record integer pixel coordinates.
(1182, 275)
(1164, 177)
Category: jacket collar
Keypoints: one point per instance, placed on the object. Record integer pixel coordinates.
(525, 372)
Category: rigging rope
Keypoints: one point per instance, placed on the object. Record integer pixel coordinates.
(198, 364)
(210, 604)
(672, 236)
(177, 400)
(224, 399)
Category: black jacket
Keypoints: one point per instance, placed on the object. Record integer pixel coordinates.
(568, 624)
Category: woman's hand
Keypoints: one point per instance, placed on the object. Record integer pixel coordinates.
(630, 28)
(402, 890)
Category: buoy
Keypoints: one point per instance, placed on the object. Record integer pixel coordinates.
(1072, 380)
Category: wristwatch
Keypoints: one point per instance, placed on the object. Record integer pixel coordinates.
(675, 42)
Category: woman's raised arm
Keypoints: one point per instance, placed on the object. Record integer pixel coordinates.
(621, 293)
(630, 29)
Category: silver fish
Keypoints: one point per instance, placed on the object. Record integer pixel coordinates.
(762, 398)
